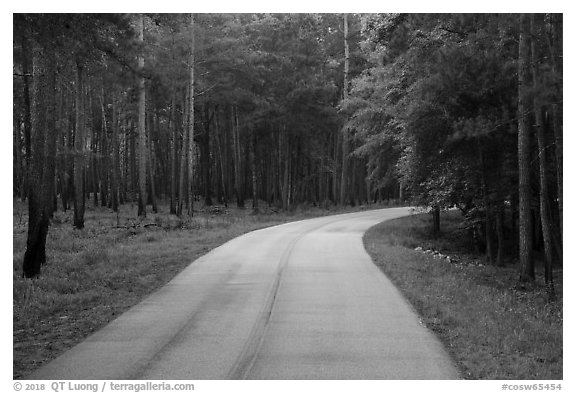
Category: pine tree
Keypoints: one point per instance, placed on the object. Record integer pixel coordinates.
(524, 156)
(141, 125)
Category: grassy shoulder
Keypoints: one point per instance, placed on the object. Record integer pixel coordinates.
(95, 274)
(492, 328)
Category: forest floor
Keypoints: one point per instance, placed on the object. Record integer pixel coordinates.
(493, 327)
(95, 274)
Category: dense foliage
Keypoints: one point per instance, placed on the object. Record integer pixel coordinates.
(436, 110)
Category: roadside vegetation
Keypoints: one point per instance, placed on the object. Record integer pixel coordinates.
(93, 275)
(493, 327)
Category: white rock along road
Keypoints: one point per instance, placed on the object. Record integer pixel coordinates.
(301, 300)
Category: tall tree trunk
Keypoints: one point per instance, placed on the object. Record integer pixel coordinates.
(222, 160)
(237, 160)
(191, 122)
(253, 168)
(205, 156)
(141, 126)
(345, 139)
(59, 152)
(337, 137)
(284, 181)
(115, 157)
(104, 153)
(173, 156)
(524, 220)
(93, 165)
(18, 171)
(130, 162)
(514, 224)
(27, 115)
(558, 137)
(182, 191)
(228, 133)
(69, 148)
(352, 183)
(489, 254)
(151, 169)
(500, 211)
(545, 214)
(79, 154)
(173, 129)
(133, 189)
(43, 147)
(555, 48)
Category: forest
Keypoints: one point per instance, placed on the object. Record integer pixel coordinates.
(443, 111)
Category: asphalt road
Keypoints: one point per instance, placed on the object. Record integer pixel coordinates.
(297, 301)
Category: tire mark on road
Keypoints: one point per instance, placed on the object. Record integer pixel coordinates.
(247, 357)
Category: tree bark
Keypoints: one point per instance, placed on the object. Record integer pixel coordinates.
(555, 48)
(500, 211)
(43, 147)
(237, 160)
(524, 220)
(488, 222)
(285, 182)
(191, 122)
(17, 163)
(104, 153)
(205, 156)
(173, 129)
(115, 157)
(27, 115)
(345, 139)
(59, 152)
(514, 224)
(133, 164)
(173, 155)
(253, 169)
(93, 161)
(545, 214)
(182, 191)
(141, 126)
(69, 149)
(151, 168)
(79, 201)
(221, 160)
(337, 147)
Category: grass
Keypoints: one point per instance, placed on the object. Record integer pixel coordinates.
(492, 327)
(95, 274)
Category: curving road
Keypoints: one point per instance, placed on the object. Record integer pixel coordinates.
(297, 301)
